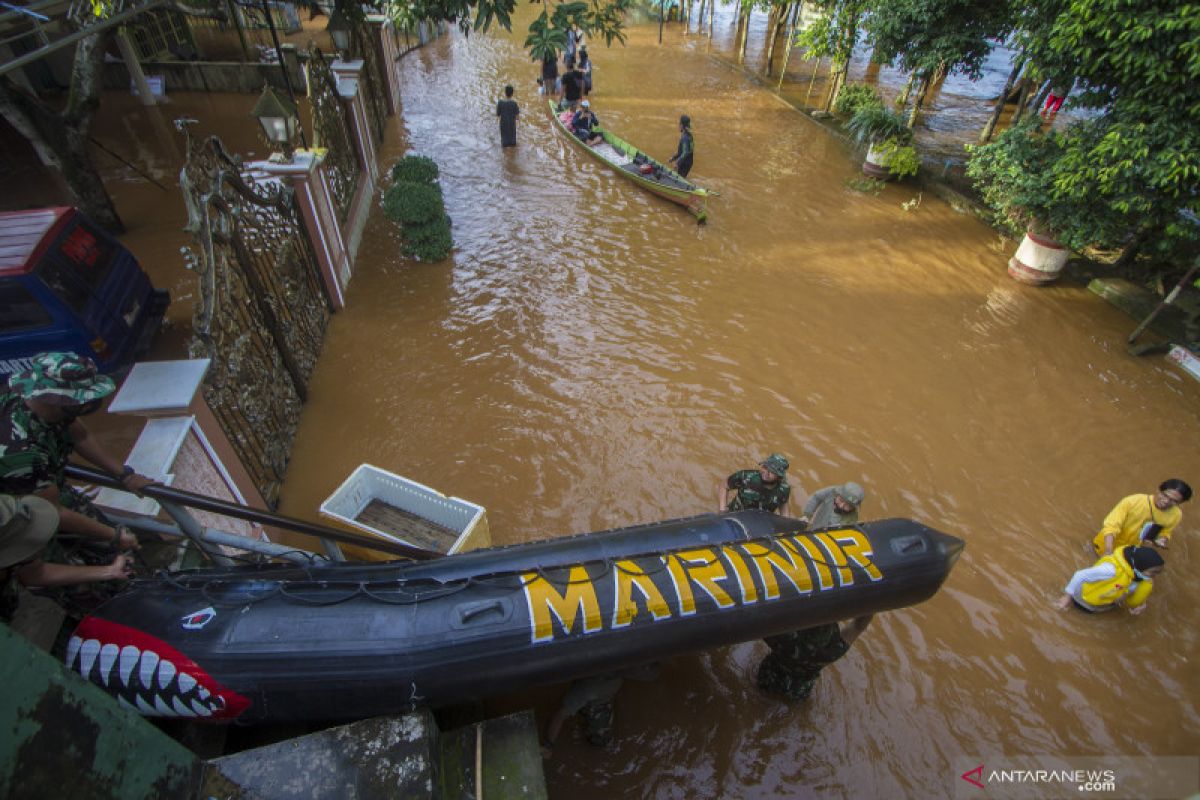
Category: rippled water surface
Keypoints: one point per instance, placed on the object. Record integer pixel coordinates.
(591, 358)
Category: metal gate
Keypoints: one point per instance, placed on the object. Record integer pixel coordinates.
(342, 163)
(261, 311)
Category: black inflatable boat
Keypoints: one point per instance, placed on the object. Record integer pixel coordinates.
(345, 641)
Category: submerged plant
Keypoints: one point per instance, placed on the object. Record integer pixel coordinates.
(865, 185)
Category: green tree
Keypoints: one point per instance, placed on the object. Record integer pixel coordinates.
(1137, 67)
(933, 38)
(833, 35)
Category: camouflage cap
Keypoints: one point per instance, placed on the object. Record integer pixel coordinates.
(26, 524)
(62, 379)
(775, 463)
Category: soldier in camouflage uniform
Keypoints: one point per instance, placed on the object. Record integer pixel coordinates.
(797, 658)
(593, 700)
(26, 527)
(40, 430)
(764, 488)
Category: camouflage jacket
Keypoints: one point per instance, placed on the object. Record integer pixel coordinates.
(812, 647)
(753, 493)
(32, 452)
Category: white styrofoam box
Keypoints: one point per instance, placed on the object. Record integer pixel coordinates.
(369, 483)
(160, 387)
(152, 455)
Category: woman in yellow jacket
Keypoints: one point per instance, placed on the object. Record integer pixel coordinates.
(1124, 577)
(1143, 518)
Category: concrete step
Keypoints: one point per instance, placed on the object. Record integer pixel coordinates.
(510, 754)
(374, 759)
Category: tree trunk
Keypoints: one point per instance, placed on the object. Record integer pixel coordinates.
(777, 17)
(986, 135)
(1134, 247)
(902, 98)
(712, 15)
(744, 37)
(787, 53)
(835, 88)
(1040, 99)
(61, 139)
(1022, 99)
(813, 80)
(919, 100)
(662, 12)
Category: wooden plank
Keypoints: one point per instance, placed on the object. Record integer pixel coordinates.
(407, 526)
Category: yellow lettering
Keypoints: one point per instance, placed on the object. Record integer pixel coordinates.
(546, 604)
(816, 557)
(858, 547)
(628, 576)
(768, 563)
(704, 568)
(845, 577)
(683, 587)
(745, 581)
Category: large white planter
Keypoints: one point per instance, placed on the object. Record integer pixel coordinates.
(1039, 260)
(878, 164)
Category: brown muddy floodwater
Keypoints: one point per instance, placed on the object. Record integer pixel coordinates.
(589, 358)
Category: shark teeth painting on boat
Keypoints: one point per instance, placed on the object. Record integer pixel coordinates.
(148, 675)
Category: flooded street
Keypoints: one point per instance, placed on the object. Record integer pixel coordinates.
(590, 358)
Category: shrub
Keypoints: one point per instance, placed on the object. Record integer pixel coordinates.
(876, 125)
(430, 241)
(1014, 175)
(418, 169)
(410, 203)
(854, 96)
(902, 159)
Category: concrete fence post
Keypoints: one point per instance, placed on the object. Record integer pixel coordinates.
(384, 36)
(349, 87)
(306, 174)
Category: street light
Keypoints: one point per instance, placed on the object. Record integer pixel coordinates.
(338, 29)
(279, 119)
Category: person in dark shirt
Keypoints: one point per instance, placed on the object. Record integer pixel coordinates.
(572, 90)
(508, 111)
(584, 124)
(682, 160)
(585, 66)
(550, 74)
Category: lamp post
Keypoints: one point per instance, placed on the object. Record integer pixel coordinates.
(279, 119)
(338, 29)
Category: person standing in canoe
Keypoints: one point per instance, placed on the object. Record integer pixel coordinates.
(682, 160)
(508, 111)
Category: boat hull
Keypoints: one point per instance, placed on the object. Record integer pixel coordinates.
(345, 642)
(695, 199)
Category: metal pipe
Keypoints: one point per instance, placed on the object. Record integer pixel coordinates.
(225, 538)
(160, 492)
(194, 531)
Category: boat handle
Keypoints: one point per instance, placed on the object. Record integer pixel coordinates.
(471, 610)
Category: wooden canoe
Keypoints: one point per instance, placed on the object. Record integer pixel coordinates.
(626, 160)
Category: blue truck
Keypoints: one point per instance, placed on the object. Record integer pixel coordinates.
(67, 285)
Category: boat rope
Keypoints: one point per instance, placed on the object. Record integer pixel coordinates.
(393, 591)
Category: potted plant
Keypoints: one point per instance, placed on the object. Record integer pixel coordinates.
(890, 154)
(1015, 175)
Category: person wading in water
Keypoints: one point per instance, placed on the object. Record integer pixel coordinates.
(682, 160)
